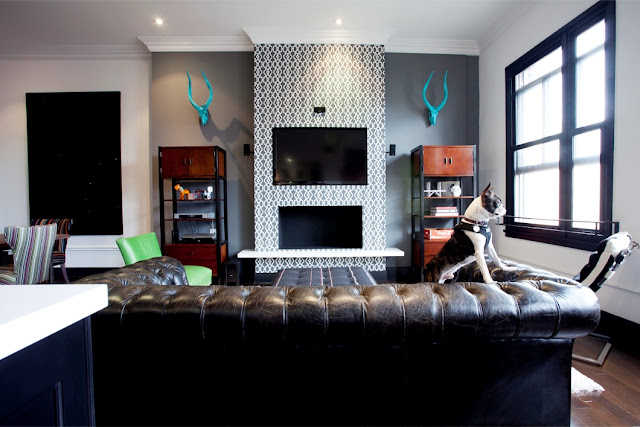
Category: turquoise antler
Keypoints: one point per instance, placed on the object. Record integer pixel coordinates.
(433, 112)
(202, 110)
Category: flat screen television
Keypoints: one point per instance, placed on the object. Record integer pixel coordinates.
(319, 156)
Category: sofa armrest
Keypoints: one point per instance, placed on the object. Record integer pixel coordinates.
(162, 270)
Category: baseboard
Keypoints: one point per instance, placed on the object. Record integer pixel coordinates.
(624, 333)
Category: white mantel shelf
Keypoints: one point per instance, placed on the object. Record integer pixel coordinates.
(29, 313)
(320, 253)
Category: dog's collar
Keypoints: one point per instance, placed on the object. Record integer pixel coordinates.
(482, 223)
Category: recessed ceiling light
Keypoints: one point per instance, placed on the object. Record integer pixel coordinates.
(159, 21)
(337, 21)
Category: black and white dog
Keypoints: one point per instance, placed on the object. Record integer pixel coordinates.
(470, 239)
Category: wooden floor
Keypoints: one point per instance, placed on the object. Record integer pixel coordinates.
(619, 403)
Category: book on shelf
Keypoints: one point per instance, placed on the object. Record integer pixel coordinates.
(444, 211)
(444, 214)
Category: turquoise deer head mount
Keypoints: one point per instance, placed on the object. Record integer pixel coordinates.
(203, 111)
(433, 111)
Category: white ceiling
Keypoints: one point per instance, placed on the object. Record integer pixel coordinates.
(426, 26)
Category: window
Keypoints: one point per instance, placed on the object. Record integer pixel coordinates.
(559, 103)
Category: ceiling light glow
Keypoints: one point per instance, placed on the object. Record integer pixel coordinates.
(159, 21)
(337, 21)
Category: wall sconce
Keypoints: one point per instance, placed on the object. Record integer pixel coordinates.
(319, 111)
(392, 150)
(247, 150)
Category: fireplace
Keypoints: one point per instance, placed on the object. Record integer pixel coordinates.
(349, 81)
(320, 227)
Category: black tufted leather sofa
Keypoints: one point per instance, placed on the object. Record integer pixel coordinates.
(467, 353)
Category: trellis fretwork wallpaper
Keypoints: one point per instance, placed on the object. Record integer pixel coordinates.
(291, 79)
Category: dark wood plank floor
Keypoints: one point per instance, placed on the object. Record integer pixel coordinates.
(619, 403)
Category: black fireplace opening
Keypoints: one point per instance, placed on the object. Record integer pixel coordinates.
(320, 227)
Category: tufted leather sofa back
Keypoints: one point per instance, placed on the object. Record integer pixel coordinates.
(535, 304)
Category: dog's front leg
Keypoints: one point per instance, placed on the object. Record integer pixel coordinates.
(482, 263)
(494, 256)
(478, 241)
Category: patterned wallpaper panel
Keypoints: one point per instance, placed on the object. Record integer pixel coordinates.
(291, 79)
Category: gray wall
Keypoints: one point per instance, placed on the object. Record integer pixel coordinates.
(175, 122)
(408, 125)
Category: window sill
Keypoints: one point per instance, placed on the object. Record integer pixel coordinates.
(573, 240)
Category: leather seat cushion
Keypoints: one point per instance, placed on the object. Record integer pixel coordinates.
(327, 276)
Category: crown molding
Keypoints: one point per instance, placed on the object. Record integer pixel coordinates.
(268, 35)
(242, 44)
(271, 35)
(197, 44)
(433, 46)
(75, 52)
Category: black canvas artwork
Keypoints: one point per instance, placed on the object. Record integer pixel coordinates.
(73, 141)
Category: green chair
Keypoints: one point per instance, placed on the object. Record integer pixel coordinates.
(145, 246)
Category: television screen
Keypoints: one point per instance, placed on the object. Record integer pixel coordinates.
(319, 156)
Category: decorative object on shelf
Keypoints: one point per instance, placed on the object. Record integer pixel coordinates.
(183, 191)
(203, 111)
(207, 194)
(438, 233)
(433, 112)
(449, 186)
(429, 192)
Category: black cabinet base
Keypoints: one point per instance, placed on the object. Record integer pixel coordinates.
(50, 382)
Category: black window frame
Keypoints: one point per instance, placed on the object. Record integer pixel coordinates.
(563, 234)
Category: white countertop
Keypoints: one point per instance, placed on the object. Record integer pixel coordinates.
(320, 253)
(29, 313)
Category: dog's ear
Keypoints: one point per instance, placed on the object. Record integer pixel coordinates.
(488, 189)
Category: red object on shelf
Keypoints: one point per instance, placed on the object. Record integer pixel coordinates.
(438, 233)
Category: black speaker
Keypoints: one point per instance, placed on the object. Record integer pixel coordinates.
(247, 150)
(232, 272)
(392, 150)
